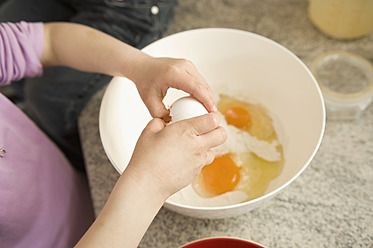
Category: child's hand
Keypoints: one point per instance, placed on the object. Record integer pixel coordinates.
(168, 158)
(159, 74)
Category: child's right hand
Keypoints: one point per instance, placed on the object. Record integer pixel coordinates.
(169, 158)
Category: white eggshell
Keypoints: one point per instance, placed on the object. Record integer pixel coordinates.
(185, 108)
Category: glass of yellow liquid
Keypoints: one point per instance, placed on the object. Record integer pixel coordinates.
(342, 19)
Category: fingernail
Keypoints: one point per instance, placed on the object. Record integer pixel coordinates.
(214, 108)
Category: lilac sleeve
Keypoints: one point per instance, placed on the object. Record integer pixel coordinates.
(21, 45)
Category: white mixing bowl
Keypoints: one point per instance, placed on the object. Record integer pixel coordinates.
(248, 63)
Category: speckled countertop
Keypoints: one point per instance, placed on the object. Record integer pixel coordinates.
(329, 205)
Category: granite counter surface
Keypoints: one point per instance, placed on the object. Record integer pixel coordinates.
(329, 205)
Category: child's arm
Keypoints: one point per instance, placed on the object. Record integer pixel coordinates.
(165, 160)
(88, 49)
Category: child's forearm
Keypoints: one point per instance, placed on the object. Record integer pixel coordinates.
(126, 216)
(87, 49)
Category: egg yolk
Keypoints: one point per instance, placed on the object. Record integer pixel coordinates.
(238, 117)
(222, 175)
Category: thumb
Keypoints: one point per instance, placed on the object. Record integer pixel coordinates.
(157, 109)
(155, 125)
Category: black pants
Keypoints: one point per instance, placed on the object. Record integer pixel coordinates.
(55, 100)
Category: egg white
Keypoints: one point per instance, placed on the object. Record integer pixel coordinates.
(188, 196)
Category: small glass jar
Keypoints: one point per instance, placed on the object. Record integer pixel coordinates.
(346, 82)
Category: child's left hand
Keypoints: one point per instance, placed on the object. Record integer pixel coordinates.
(160, 74)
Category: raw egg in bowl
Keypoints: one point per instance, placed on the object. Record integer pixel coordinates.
(270, 104)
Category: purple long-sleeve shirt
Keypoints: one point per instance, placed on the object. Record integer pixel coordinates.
(20, 51)
(44, 202)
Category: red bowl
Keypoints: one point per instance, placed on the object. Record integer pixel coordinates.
(222, 242)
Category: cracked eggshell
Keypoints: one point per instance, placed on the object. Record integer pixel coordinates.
(185, 108)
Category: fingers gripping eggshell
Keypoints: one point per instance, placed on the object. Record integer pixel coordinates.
(185, 108)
